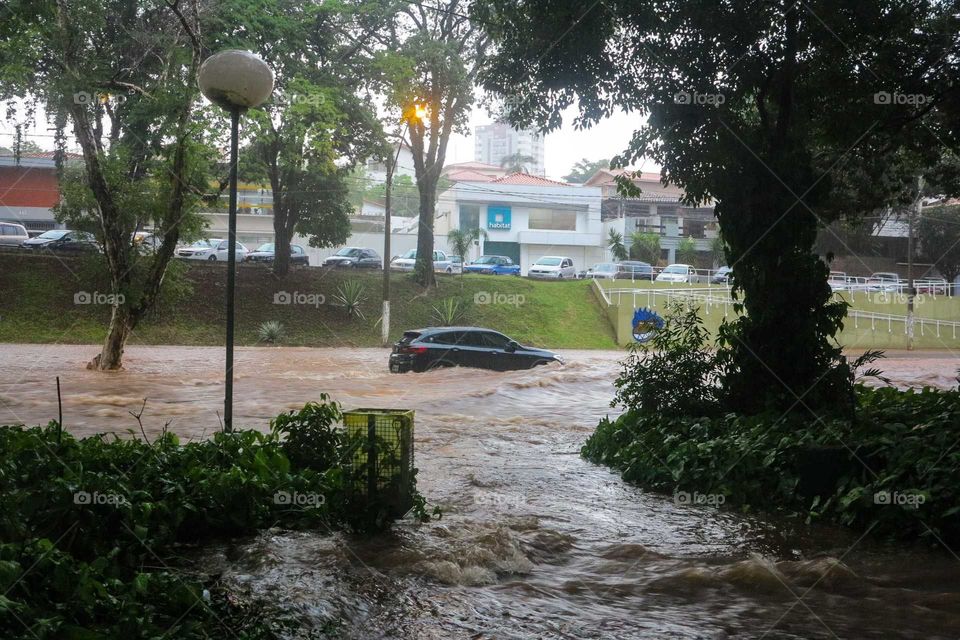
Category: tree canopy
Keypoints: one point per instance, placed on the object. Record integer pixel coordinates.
(756, 106)
(584, 169)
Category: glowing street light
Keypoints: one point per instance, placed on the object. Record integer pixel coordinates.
(235, 80)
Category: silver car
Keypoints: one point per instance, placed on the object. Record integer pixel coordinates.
(12, 234)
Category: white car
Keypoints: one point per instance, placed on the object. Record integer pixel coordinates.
(213, 250)
(12, 234)
(603, 271)
(406, 262)
(554, 267)
(678, 273)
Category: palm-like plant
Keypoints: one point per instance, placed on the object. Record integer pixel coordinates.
(616, 246)
(645, 246)
(350, 295)
(460, 241)
(517, 163)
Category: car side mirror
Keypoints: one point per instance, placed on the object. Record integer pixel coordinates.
(512, 346)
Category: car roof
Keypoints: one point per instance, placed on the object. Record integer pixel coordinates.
(443, 329)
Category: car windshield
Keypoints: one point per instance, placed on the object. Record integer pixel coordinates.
(267, 247)
(410, 255)
(549, 262)
(55, 234)
(350, 252)
(201, 244)
(605, 266)
(486, 260)
(675, 268)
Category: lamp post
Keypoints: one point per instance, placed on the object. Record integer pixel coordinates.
(235, 80)
(417, 112)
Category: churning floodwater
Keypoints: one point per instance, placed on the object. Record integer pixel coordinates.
(534, 541)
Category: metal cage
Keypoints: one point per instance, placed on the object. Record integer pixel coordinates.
(382, 464)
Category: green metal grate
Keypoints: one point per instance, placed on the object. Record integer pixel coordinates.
(382, 463)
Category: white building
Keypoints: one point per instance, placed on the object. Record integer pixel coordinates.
(526, 217)
(377, 169)
(494, 142)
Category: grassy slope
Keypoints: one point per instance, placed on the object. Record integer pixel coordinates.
(37, 305)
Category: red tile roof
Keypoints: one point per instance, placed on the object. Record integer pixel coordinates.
(527, 179)
(468, 175)
(44, 155)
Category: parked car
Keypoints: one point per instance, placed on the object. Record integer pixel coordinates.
(935, 286)
(678, 273)
(493, 265)
(635, 270)
(438, 347)
(407, 261)
(12, 234)
(554, 267)
(213, 250)
(603, 271)
(885, 281)
(62, 241)
(456, 264)
(723, 275)
(265, 253)
(354, 257)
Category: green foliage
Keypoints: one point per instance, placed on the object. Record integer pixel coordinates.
(687, 251)
(351, 295)
(718, 253)
(91, 527)
(675, 374)
(460, 242)
(584, 169)
(834, 469)
(939, 234)
(616, 246)
(270, 331)
(448, 313)
(645, 246)
(796, 138)
(517, 163)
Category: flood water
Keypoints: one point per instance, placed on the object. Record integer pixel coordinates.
(534, 541)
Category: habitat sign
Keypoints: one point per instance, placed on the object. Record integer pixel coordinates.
(498, 217)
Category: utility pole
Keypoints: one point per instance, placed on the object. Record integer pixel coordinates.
(387, 198)
(914, 213)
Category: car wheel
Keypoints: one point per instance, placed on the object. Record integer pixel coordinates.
(440, 364)
(449, 270)
(559, 276)
(212, 258)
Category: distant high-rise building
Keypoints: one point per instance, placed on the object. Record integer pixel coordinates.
(496, 141)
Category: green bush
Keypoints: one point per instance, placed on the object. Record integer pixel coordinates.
(82, 520)
(901, 446)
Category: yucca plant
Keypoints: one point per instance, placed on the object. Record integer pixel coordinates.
(270, 331)
(350, 295)
(448, 313)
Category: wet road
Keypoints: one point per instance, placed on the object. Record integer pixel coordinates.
(535, 542)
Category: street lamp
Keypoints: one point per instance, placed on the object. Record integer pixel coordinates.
(416, 112)
(235, 80)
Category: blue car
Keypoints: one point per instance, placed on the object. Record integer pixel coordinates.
(493, 265)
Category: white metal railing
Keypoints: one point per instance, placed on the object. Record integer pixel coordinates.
(925, 324)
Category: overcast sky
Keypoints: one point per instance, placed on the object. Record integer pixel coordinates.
(563, 148)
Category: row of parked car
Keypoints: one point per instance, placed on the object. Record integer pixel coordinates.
(674, 273)
(886, 282)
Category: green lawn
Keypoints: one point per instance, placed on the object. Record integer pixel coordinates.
(37, 305)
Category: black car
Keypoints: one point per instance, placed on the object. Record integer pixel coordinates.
(723, 275)
(266, 252)
(437, 347)
(62, 241)
(355, 257)
(635, 270)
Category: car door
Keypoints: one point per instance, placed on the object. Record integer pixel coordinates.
(499, 354)
(566, 268)
(445, 347)
(369, 259)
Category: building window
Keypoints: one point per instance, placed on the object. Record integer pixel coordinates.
(694, 228)
(469, 216)
(550, 220)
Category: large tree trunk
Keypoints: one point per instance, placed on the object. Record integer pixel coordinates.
(781, 350)
(423, 269)
(281, 244)
(110, 357)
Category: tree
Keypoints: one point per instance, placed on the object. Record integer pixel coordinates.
(718, 252)
(517, 163)
(687, 251)
(645, 247)
(460, 241)
(312, 133)
(939, 234)
(123, 73)
(753, 105)
(433, 53)
(584, 169)
(616, 246)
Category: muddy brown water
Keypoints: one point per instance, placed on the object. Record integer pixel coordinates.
(534, 542)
